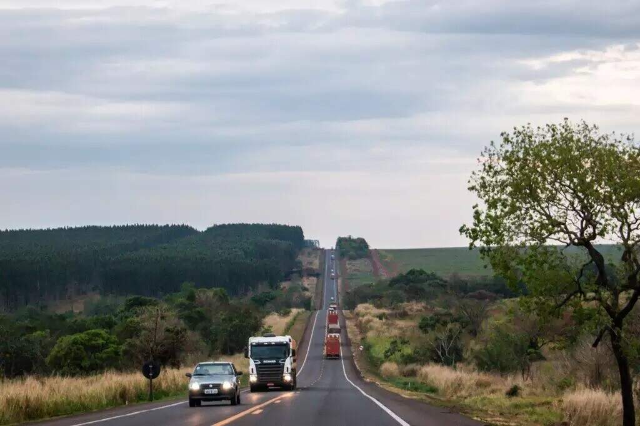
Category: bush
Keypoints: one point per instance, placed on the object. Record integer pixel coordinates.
(389, 370)
(505, 351)
(410, 370)
(513, 391)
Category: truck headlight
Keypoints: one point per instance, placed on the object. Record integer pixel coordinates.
(253, 378)
(194, 386)
(287, 377)
(226, 385)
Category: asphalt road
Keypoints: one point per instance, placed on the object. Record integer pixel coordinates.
(330, 393)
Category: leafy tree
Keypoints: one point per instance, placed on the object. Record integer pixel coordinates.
(160, 336)
(574, 186)
(352, 248)
(83, 353)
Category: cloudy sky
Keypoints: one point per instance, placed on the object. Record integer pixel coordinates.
(360, 117)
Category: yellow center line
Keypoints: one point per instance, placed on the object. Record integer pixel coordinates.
(257, 412)
(251, 410)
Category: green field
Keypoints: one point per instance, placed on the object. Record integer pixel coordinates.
(442, 261)
(450, 260)
(359, 272)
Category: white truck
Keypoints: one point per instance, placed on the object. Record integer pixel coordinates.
(272, 362)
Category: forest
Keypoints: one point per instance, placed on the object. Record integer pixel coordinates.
(40, 266)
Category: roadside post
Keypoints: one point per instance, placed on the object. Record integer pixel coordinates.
(151, 370)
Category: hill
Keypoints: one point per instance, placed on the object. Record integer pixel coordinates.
(53, 264)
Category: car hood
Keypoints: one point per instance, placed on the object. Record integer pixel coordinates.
(214, 378)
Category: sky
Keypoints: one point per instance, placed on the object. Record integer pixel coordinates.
(346, 117)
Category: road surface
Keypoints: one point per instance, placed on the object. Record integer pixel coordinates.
(330, 393)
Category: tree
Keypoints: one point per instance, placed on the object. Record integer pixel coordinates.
(574, 186)
(161, 337)
(83, 353)
(474, 313)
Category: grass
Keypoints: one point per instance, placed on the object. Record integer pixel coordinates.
(39, 398)
(592, 407)
(412, 385)
(359, 272)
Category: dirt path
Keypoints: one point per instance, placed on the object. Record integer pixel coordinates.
(379, 271)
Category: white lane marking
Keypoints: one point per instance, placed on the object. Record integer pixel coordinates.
(304, 362)
(393, 415)
(130, 414)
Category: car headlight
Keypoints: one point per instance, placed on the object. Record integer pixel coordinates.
(226, 385)
(194, 386)
(253, 378)
(287, 377)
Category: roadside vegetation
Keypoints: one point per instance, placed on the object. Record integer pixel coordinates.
(34, 398)
(555, 336)
(101, 347)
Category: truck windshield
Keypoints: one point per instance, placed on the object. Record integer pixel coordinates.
(269, 351)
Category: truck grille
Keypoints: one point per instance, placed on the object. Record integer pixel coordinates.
(268, 373)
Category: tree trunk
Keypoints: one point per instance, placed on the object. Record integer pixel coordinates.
(626, 381)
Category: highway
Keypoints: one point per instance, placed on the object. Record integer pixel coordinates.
(330, 392)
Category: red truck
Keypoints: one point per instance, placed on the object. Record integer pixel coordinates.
(332, 318)
(332, 346)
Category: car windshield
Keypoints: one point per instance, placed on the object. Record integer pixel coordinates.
(269, 352)
(212, 369)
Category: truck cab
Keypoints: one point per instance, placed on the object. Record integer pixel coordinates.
(272, 362)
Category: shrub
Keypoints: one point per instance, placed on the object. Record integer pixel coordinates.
(410, 370)
(389, 370)
(505, 351)
(513, 391)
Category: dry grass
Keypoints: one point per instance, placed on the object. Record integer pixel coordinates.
(365, 309)
(277, 322)
(38, 398)
(390, 370)
(463, 383)
(592, 407)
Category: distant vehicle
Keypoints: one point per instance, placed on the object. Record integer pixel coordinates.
(214, 381)
(332, 346)
(332, 318)
(333, 257)
(333, 306)
(272, 362)
(333, 276)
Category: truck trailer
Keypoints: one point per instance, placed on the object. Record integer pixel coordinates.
(332, 345)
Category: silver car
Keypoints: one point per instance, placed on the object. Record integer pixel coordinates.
(214, 381)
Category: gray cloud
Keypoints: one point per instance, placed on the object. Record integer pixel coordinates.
(393, 95)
